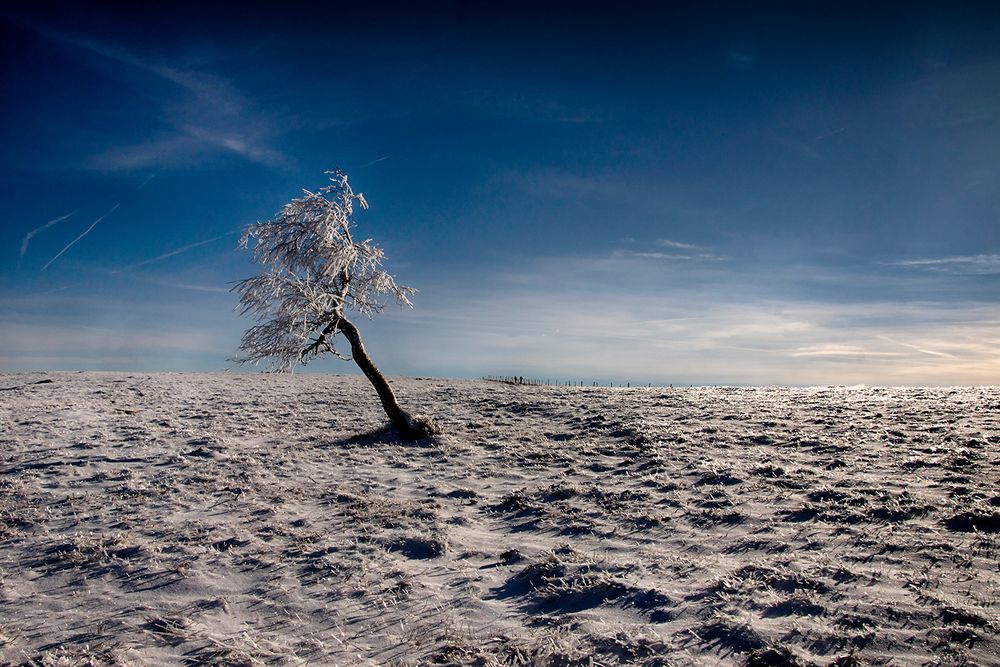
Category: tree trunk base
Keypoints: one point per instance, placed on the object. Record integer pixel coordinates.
(408, 427)
(413, 428)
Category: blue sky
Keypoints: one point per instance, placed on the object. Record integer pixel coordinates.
(703, 193)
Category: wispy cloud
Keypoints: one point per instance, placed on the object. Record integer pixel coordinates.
(922, 350)
(191, 287)
(30, 235)
(374, 162)
(208, 113)
(851, 351)
(174, 252)
(678, 251)
(624, 319)
(148, 179)
(667, 243)
(198, 288)
(705, 257)
(963, 265)
(85, 232)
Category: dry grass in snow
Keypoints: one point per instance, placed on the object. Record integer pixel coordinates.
(253, 519)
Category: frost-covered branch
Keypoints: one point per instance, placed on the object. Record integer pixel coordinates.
(315, 271)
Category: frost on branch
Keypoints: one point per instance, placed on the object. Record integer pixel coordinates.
(314, 271)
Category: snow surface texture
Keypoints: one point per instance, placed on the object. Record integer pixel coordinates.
(255, 519)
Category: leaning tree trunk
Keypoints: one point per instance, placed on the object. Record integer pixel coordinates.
(400, 419)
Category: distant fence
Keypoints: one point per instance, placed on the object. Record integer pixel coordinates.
(533, 382)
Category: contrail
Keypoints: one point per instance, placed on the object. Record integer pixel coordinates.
(29, 235)
(92, 225)
(149, 178)
(368, 164)
(173, 252)
(934, 353)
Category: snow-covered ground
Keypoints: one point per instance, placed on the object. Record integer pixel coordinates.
(245, 519)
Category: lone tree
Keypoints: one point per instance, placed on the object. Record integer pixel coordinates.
(314, 273)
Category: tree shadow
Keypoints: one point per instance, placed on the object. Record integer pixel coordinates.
(380, 436)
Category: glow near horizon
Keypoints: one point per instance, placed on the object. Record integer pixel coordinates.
(586, 229)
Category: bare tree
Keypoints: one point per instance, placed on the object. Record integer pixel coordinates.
(314, 273)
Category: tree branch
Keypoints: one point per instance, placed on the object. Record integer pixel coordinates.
(322, 340)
